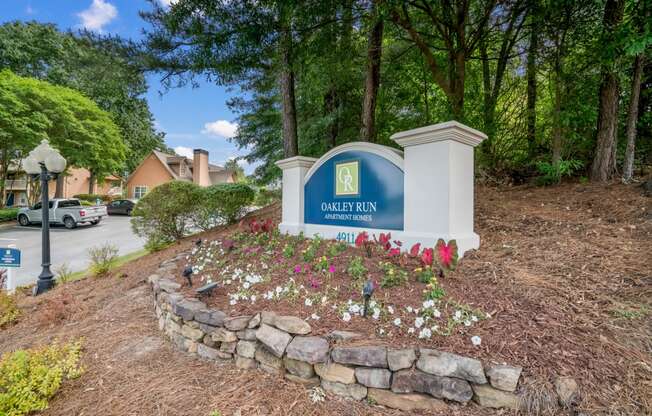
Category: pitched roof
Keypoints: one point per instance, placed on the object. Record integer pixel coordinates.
(167, 159)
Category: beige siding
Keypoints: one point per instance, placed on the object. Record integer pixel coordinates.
(150, 173)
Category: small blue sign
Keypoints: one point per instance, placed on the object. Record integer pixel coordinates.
(9, 257)
(355, 188)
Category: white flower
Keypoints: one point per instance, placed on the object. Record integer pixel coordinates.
(315, 316)
(467, 323)
(409, 309)
(381, 331)
(428, 304)
(253, 298)
(233, 301)
(425, 333)
(346, 317)
(476, 340)
(397, 321)
(488, 316)
(354, 309)
(246, 285)
(308, 302)
(458, 315)
(474, 318)
(434, 328)
(372, 303)
(324, 299)
(390, 310)
(436, 313)
(376, 314)
(270, 294)
(410, 330)
(279, 289)
(418, 322)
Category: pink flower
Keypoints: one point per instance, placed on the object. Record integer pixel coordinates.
(331, 269)
(297, 269)
(314, 283)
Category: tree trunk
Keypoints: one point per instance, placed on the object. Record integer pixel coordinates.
(632, 117)
(58, 192)
(286, 83)
(531, 75)
(556, 118)
(91, 184)
(330, 109)
(603, 165)
(457, 83)
(372, 81)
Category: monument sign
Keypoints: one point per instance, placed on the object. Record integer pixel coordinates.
(420, 194)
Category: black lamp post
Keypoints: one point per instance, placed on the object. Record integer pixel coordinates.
(47, 163)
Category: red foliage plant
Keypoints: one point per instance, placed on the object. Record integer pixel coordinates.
(384, 240)
(415, 249)
(427, 256)
(255, 227)
(447, 254)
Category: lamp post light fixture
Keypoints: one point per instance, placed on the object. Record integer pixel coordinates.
(47, 163)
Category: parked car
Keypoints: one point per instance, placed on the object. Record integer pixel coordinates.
(68, 212)
(120, 207)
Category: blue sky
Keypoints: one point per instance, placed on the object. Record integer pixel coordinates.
(190, 117)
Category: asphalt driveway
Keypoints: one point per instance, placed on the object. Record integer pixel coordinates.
(68, 246)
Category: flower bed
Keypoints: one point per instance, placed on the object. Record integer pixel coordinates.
(341, 362)
(324, 282)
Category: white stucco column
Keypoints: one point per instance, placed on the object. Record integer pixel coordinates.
(439, 183)
(294, 173)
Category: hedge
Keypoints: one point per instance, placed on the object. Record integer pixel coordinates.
(223, 203)
(8, 214)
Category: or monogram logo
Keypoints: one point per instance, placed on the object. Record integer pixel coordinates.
(347, 178)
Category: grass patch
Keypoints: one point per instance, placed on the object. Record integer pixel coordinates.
(8, 309)
(119, 261)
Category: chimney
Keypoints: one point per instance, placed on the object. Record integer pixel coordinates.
(200, 167)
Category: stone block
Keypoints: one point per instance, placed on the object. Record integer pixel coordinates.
(504, 377)
(292, 325)
(236, 323)
(207, 352)
(223, 335)
(336, 373)
(208, 341)
(343, 336)
(445, 364)
(263, 356)
(194, 334)
(487, 396)
(168, 285)
(247, 334)
(353, 391)
(406, 402)
(298, 368)
(246, 348)
(362, 356)
(224, 355)
(271, 370)
(267, 317)
(228, 347)
(409, 381)
(568, 391)
(401, 359)
(190, 346)
(308, 382)
(374, 377)
(210, 317)
(274, 339)
(187, 308)
(309, 349)
(208, 329)
(255, 321)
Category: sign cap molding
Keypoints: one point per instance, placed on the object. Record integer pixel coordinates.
(450, 130)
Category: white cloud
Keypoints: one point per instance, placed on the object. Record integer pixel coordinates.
(222, 128)
(98, 15)
(241, 162)
(30, 10)
(184, 151)
(167, 3)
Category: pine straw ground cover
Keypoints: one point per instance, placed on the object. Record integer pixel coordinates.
(564, 272)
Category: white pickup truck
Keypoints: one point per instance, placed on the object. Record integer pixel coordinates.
(68, 212)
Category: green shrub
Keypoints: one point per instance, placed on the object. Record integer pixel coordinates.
(225, 202)
(164, 214)
(29, 378)
(552, 173)
(93, 197)
(9, 311)
(8, 214)
(266, 197)
(102, 258)
(356, 268)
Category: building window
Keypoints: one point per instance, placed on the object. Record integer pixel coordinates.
(139, 191)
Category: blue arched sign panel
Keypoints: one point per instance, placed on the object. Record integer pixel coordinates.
(355, 188)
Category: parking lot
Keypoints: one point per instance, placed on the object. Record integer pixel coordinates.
(67, 246)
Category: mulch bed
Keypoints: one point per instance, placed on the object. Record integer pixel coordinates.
(565, 273)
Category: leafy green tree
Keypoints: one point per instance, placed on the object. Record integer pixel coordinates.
(31, 110)
(80, 61)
